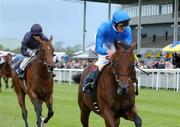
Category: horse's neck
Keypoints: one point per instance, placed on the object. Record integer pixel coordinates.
(6, 66)
(107, 70)
(39, 68)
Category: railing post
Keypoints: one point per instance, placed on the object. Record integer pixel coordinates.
(157, 81)
(177, 84)
(70, 76)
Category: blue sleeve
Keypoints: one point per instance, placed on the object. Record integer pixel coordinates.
(99, 42)
(128, 36)
(24, 46)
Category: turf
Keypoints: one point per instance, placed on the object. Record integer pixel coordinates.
(156, 108)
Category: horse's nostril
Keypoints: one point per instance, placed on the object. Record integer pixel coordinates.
(122, 89)
(52, 68)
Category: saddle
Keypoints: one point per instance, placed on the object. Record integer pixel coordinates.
(93, 92)
(18, 60)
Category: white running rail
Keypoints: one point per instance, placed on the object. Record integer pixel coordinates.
(158, 78)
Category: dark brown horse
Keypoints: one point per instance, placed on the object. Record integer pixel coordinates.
(38, 82)
(5, 70)
(115, 92)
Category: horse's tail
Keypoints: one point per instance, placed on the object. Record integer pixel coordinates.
(76, 78)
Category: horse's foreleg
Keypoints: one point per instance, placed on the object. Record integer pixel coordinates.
(49, 104)
(110, 119)
(38, 108)
(137, 121)
(133, 116)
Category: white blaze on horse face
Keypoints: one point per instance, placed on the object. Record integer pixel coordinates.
(48, 48)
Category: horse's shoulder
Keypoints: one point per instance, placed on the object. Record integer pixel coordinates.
(106, 67)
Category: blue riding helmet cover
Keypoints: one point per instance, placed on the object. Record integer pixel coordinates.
(120, 16)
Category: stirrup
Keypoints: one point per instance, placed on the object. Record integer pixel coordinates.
(20, 74)
(21, 78)
(87, 87)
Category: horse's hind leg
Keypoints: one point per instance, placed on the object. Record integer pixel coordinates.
(85, 111)
(0, 84)
(6, 82)
(21, 100)
(49, 104)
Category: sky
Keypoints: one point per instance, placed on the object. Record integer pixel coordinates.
(61, 18)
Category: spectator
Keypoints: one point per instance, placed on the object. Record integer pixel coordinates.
(166, 35)
(154, 38)
(161, 64)
(169, 65)
(176, 60)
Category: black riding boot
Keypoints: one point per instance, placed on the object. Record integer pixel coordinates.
(91, 79)
(20, 73)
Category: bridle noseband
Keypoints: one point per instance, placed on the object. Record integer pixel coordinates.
(115, 66)
(39, 58)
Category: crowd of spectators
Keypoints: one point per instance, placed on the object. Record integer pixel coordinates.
(160, 63)
(73, 63)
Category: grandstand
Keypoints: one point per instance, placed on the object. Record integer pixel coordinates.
(157, 20)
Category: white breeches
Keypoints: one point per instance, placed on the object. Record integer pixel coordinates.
(26, 60)
(102, 61)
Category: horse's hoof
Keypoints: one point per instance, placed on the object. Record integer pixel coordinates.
(137, 93)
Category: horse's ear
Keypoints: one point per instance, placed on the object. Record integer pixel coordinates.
(38, 39)
(51, 38)
(132, 46)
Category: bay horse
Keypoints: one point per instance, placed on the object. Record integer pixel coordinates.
(114, 93)
(5, 70)
(37, 83)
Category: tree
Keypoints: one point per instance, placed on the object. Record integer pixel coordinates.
(77, 48)
(1, 47)
(17, 50)
(69, 51)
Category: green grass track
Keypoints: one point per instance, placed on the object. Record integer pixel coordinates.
(156, 108)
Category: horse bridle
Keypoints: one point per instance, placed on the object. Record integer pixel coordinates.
(117, 74)
(114, 65)
(49, 67)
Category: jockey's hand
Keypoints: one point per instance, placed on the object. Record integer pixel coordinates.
(109, 54)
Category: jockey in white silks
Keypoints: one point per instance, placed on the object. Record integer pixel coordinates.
(29, 47)
(116, 29)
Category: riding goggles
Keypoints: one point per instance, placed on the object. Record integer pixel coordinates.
(122, 24)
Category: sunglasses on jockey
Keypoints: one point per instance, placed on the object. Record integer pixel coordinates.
(36, 34)
(122, 24)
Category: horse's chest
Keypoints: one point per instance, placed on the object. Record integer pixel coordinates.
(122, 104)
